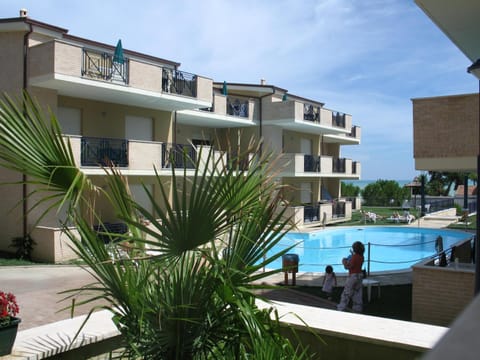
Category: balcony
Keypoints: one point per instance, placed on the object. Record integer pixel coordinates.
(179, 82)
(75, 71)
(318, 166)
(102, 151)
(101, 66)
(322, 212)
(178, 156)
(134, 156)
(338, 119)
(329, 211)
(306, 117)
(226, 111)
(351, 138)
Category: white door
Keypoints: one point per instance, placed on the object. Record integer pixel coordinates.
(70, 120)
(306, 146)
(141, 197)
(306, 193)
(138, 128)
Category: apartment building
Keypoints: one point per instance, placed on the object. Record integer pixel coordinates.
(138, 110)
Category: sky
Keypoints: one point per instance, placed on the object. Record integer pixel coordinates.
(364, 58)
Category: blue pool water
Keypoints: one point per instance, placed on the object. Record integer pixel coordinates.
(391, 248)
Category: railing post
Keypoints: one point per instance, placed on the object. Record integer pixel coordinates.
(368, 260)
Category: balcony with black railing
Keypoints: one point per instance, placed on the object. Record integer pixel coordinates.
(353, 132)
(339, 165)
(59, 64)
(338, 209)
(338, 119)
(311, 163)
(103, 152)
(324, 211)
(179, 82)
(311, 213)
(235, 162)
(237, 107)
(178, 156)
(311, 113)
(102, 66)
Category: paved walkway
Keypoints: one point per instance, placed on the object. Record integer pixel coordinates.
(37, 290)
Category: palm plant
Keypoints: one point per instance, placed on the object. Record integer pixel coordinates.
(187, 288)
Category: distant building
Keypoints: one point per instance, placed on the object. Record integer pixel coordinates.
(471, 190)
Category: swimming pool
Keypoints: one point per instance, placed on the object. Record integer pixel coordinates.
(391, 248)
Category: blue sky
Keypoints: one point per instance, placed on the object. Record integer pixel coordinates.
(364, 58)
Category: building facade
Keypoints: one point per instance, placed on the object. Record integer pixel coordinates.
(138, 111)
(445, 133)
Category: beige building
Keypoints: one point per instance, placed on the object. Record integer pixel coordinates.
(139, 110)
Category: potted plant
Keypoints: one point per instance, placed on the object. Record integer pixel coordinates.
(8, 322)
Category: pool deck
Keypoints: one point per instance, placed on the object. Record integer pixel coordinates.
(384, 278)
(316, 279)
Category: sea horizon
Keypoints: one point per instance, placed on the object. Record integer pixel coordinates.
(362, 183)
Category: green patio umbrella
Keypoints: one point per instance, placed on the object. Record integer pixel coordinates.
(118, 54)
(224, 89)
(285, 97)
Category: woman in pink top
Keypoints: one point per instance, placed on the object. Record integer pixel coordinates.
(353, 286)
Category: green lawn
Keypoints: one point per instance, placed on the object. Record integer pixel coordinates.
(385, 212)
(8, 259)
(382, 214)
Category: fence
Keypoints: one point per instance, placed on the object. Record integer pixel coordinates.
(390, 262)
(178, 156)
(101, 65)
(179, 82)
(103, 151)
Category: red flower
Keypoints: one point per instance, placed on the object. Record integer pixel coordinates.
(8, 308)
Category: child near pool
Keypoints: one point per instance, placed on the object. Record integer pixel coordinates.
(329, 281)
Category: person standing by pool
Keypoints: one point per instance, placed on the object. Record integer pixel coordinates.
(353, 286)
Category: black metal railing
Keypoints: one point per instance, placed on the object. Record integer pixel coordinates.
(237, 107)
(235, 162)
(311, 163)
(472, 206)
(338, 165)
(353, 132)
(103, 151)
(100, 65)
(311, 213)
(338, 209)
(353, 200)
(178, 156)
(338, 119)
(110, 232)
(179, 82)
(311, 113)
(440, 204)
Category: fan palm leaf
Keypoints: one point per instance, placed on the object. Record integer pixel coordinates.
(32, 145)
